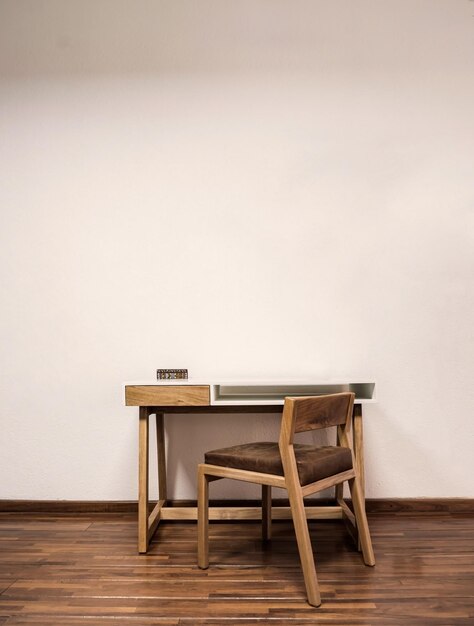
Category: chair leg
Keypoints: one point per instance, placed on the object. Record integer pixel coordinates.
(266, 512)
(361, 519)
(203, 519)
(304, 547)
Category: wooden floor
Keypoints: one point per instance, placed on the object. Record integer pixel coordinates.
(85, 570)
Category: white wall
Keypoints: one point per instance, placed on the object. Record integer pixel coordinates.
(257, 188)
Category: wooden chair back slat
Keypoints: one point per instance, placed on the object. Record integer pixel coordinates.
(312, 413)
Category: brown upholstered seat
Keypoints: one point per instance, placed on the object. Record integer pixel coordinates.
(313, 462)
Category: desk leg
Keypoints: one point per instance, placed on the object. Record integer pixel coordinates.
(155, 515)
(340, 487)
(143, 440)
(348, 516)
(148, 522)
(358, 445)
(160, 449)
(358, 437)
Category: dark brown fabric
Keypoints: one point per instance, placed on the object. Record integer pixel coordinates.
(314, 462)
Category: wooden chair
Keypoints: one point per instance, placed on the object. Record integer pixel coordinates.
(300, 469)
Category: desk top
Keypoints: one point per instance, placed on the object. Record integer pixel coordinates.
(234, 392)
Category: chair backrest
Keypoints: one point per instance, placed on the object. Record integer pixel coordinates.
(310, 413)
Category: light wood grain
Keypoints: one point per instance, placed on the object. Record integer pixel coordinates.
(339, 491)
(161, 452)
(150, 395)
(358, 453)
(203, 518)
(143, 444)
(361, 521)
(234, 513)
(154, 518)
(325, 483)
(295, 496)
(358, 439)
(244, 475)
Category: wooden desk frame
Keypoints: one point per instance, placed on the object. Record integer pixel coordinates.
(182, 402)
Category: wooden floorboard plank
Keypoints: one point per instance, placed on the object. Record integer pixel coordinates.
(71, 569)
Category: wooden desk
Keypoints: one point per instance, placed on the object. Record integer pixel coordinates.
(190, 396)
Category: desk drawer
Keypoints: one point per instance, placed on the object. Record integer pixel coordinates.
(151, 395)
